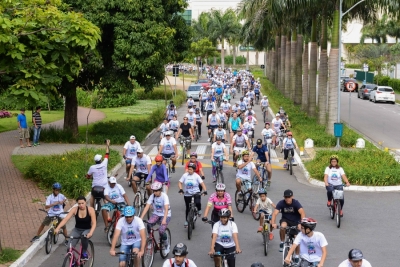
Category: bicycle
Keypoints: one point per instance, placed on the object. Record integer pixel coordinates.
(265, 113)
(212, 136)
(250, 137)
(118, 213)
(152, 246)
(184, 141)
(130, 258)
(242, 198)
(196, 133)
(336, 207)
(289, 238)
(192, 215)
(263, 173)
(74, 256)
(168, 165)
(52, 237)
(219, 176)
(141, 196)
(224, 262)
(97, 199)
(266, 230)
(289, 164)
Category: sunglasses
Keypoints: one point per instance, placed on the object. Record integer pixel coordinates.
(220, 191)
(157, 190)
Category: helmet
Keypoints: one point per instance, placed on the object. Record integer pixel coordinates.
(221, 125)
(129, 211)
(309, 223)
(241, 98)
(277, 115)
(166, 134)
(219, 138)
(224, 213)
(139, 150)
(197, 109)
(192, 165)
(262, 191)
(249, 107)
(220, 187)
(56, 186)
(355, 254)
(334, 157)
(245, 152)
(257, 264)
(193, 154)
(289, 133)
(158, 158)
(225, 100)
(214, 110)
(265, 96)
(249, 118)
(156, 186)
(180, 249)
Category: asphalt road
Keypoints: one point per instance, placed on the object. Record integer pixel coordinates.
(366, 224)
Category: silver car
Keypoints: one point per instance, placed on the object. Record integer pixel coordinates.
(193, 91)
(365, 90)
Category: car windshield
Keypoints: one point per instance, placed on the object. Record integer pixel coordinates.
(370, 86)
(385, 89)
(194, 88)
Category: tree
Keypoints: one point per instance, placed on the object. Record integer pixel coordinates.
(202, 49)
(376, 56)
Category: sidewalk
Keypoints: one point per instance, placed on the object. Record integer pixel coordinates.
(20, 198)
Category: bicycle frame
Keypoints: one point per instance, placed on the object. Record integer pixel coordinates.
(223, 257)
(76, 255)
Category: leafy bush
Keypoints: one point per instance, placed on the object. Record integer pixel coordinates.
(10, 104)
(357, 166)
(381, 80)
(101, 99)
(157, 93)
(69, 169)
(357, 66)
(229, 60)
(395, 84)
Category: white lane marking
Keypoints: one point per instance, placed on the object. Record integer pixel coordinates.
(200, 151)
(274, 157)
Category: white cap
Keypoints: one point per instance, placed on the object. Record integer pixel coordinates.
(97, 157)
(132, 137)
(277, 114)
(139, 150)
(191, 110)
(112, 180)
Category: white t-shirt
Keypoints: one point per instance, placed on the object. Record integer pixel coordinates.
(253, 120)
(225, 107)
(265, 205)
(173, 125)
(276, 124)
(164, 127)
(219, 150)
(334, 175)
(347, 263)
(248, 126)
(141, 164)
(267, 133)
(214, 120)
(289, 144)
(219, 133)
(190, 102)
(131, 149)
(198, 116)
(167, 263)
(191, 118)
(99, 173)
(168, 145)
(57, 209)
(159, 203)
(222, 116)
(117, 193)
(245, 172)
(190, 183)
(130, 233)
(311, 247)
(240, 141)
(225, 233)
(264, 103)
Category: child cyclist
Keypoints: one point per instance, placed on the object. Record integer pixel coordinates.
(264, 205)
(161, 173)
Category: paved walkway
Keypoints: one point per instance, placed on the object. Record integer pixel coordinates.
(19, 198)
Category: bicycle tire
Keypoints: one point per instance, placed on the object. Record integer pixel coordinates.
(144, 201)
(332, 210)
(266, 242)
(196, 134)
(337, 213)
(284, 253)
(183, 154)
(98, 207)
(253, 201)
(67, 260)
(290, 165)
(137, 204)
(55, 237)
(49, 242)
(190, 223)
(148, 256)
(239, 201)
(110, 235)
(90, 252)
(158, 145)
(264, 116)
(168, 232)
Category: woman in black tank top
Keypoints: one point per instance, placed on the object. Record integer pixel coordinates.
(85, 223)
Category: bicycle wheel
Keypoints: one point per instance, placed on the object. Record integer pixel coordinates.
(190, 223)
(337, 211)
(239, 201)
(266, 242)
(168, 233)
(90, 252)
(68, 261)
(97, 208)
(144, 200)
(49, 241)
(196, 133)
(253, 201)
(137, 204)
(55, 237)
(290, 165)
(148, 256)
(183, 154)
(264, 116)
(332, 211)
(110, 235)
(285, 252)
(158, 145)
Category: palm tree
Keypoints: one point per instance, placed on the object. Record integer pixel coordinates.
(298, 71)
(312, 90)
(323, 74)
(304, 95)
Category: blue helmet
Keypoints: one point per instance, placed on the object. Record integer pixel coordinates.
(262, 191)
(129, 211)
(57, 186)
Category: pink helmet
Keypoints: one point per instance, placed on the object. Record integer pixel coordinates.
(156, 186)
(249, 118)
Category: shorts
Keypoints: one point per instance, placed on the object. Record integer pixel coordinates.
(128, 162)
(97, 192)
(168, 156)
(246, 182)
(141, 175)
(47, 220)
(174, 130)
(127, 249)
(109, 206)
(24, 133)
(212, 127)
(290, 223)
(222, 250)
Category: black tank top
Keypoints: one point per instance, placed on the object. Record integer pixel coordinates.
(83, 223)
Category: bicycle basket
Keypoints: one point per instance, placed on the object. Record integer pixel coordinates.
(337, 194)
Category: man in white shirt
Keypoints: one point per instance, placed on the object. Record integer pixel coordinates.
(245, 165)
(179, 260)
(356, 259)
(168, 149)
(129, 152)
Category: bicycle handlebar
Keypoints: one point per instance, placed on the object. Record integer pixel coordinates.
(64, 212)
(287, 227)
(224, 254)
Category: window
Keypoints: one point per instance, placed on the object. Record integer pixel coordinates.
(187, 16)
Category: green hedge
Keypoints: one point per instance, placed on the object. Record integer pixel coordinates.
(229, 60)
(356, 66)
(387, 81)
(99, 99)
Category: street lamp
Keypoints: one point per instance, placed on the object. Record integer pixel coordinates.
(341, 14)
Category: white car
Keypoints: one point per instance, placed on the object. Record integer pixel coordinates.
(382, 93)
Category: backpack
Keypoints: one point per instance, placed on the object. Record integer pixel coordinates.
(186, 263)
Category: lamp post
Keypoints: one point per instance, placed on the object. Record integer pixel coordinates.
(341, 14)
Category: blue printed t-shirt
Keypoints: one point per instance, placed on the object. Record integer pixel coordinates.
(22, 120)
(261, 152)
(290, 212)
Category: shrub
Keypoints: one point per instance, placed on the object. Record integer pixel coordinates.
(395, 84)
(381, 80)
(357, 166)
(69, 169)
(229, 60)
(100, 99)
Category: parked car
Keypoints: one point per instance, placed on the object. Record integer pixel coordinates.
(365, 90)
(382, 93)
(205, 83)
(193, 91)
(347, 80)
(342, 79)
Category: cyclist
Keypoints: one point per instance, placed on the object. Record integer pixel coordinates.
(222, 117)
(170, 112)
(161, 174)
(218, 149)
(226, 107)
(85, 224)
(257, 92)
(191, 118)
(264, 105)
(220, 200)
(161, 212)
(246, 99)
(114, 194)
(220, 132)
(164, 127)
(312, 245)
(238, 145)
(168, 149)
(267, 133)
(180, 251)
(277, 124)
(142, 165)
(333, 178)
(292, 213)
(203, 99)
(185, 129)
(264, 205)
(133, 236)
(248, 126)
(236, 108)
(242, 104)
(245, 165)
(210, 106)
(199, 166)
(235, 123)
(190, 103)
(224, 239)
(289, 144)
(212, 122)
(129, 153)
(173, 126)
(98, 173)
(263, 157)
(250, 112)
(199, 120)
(191, 181)
(55, 203)
(355, 259)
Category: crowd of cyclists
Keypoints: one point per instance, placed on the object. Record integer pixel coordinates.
(231, 131)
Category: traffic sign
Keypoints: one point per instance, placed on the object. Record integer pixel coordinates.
(350, 86)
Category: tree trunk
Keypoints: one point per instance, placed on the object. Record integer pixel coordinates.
(234, 55)
(298, 71)
(323, 76)
(304, 96)
(276, 61)
(256, 58)
(71, 108)
(265, 63)
(282, 70)
(292, 72)
(223, 54)
(247, 58)
(287, 66)
(312, 91)
(273, 68)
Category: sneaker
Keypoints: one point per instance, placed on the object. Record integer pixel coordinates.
(269, 183)
(85, 256)
(271, 236)
(35, 144)
(260, 228)
(208, 140)
(66, 242)
(285, 165)
(199, 213)
(328, 203)
(281, 247)
(35, 238)
(341, 213)
(186, 224)
(173, 169)
(165, 250)
(296, 258)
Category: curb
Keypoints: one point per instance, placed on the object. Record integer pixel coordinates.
(36, 246)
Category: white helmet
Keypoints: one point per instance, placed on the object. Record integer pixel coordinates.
(156, 186)
(277, 115)
(139, 150)
(220, 187)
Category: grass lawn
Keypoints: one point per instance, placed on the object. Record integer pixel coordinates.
(141, 109)
(8, 124)
(9, 255)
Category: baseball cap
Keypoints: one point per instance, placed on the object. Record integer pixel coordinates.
(132, 137)
(288, 193)
(355, 254)
(112, 180)
(259, 142)
(139, 150)
(97, 157)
